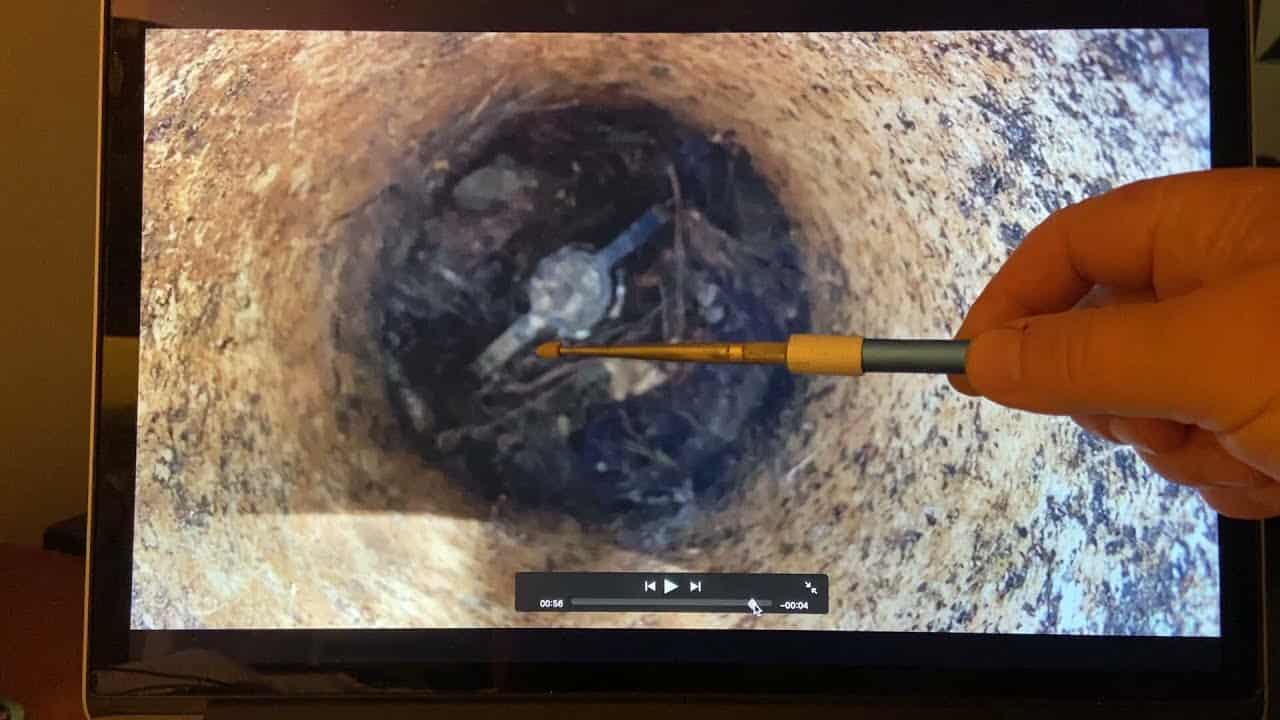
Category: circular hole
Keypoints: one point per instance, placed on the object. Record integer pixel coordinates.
(615, 444)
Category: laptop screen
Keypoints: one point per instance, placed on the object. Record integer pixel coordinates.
(352, 242)
(340, 233)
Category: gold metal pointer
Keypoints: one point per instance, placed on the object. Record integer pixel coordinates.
(803, 354)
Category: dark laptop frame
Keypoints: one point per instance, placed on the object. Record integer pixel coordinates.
(719, 664)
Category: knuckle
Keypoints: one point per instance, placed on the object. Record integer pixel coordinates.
(1075, 348)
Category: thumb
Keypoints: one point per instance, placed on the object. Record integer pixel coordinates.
(1200, 359)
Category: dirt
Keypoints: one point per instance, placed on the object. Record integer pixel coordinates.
(607, 442)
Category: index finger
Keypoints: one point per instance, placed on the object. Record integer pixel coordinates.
(1117, 240)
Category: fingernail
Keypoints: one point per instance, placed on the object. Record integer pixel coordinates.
(995, 360)
(1122, 432)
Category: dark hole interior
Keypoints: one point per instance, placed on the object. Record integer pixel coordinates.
(636, 448)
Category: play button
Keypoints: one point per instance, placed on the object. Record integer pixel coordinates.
(668, 586)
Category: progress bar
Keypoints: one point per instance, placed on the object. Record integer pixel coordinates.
(670, 602)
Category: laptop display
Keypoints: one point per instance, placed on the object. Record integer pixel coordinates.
(352, 243)
(351, 232)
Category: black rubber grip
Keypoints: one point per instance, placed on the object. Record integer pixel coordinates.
(914, 356)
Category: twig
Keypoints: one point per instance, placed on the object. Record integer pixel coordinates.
(635, 443)
(712, 242)
(681, 258)
(734, 197)
(496, 422)
(689, 418)
(552, 107)
(639, 330)
(628, 427)
(791, 474)
(546, 378)
(655, 456)
(665, 308)
(554, 378)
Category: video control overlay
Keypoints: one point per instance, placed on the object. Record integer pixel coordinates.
(764, 594)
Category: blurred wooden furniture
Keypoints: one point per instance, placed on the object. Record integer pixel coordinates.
(41, 594)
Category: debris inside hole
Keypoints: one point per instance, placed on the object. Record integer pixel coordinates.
(615, 444)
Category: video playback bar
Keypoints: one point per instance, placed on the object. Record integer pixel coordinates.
(672, 592)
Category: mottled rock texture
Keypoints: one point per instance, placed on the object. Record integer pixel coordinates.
(273, 490)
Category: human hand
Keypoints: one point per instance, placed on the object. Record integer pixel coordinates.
(1151, 314)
